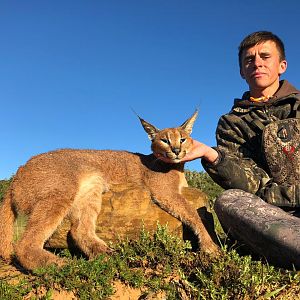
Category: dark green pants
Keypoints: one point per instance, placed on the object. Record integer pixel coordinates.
(265, 229)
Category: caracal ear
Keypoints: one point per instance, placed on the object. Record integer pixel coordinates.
(149, 128)
(189, 123)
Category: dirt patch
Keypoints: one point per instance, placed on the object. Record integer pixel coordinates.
(55, 295)
(11, 273)
(125, 292)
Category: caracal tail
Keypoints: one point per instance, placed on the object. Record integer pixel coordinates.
(7, 219)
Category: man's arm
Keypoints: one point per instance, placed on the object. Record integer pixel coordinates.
(236, 168)
(231, 171)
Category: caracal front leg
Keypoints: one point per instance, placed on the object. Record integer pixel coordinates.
(176, 205)
(83, 217)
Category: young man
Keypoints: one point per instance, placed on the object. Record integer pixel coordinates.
(239, 161)
(259, 166)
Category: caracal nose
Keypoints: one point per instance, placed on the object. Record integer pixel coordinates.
(176, 150)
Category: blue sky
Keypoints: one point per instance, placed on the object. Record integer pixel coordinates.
(72, 71)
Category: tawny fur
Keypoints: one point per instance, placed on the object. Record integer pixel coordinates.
(69, 184)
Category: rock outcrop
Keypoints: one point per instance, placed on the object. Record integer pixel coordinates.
(127, 208)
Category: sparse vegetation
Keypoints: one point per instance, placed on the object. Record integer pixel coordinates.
(4, 184)
(202, 181)
(159, 263)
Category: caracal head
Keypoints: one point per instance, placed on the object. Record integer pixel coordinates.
(172, 143)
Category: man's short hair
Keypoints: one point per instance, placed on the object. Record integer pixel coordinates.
(259, 37)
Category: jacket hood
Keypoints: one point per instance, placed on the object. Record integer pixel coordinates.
(285, 90)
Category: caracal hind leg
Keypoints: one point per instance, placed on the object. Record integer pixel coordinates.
(42, 222)
(83, 217)
(176, 205)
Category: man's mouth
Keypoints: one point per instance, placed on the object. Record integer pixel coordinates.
(257, 75)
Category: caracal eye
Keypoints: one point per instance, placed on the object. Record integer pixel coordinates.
(182, 140)
(166, 141)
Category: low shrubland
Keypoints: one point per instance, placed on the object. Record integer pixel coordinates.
(157, 266)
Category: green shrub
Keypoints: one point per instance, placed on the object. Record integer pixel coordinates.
(156, 263)
(202, 181)
(160, 254)
(14, 291)
(4, 184)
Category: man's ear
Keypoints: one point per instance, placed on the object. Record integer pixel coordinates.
(282, 67)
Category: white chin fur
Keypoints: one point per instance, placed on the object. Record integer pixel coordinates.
(176, 160)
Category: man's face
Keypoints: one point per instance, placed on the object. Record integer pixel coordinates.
(261, 67)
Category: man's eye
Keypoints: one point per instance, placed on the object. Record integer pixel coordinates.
(182, 140)
(248, 60)
(165, 141)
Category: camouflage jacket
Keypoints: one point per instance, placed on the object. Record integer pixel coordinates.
(242, 164)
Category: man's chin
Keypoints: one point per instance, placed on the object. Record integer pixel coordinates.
(259, 83)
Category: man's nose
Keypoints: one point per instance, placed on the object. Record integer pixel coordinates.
(257, 61)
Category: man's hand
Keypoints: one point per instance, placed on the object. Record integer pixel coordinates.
(200, 150)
